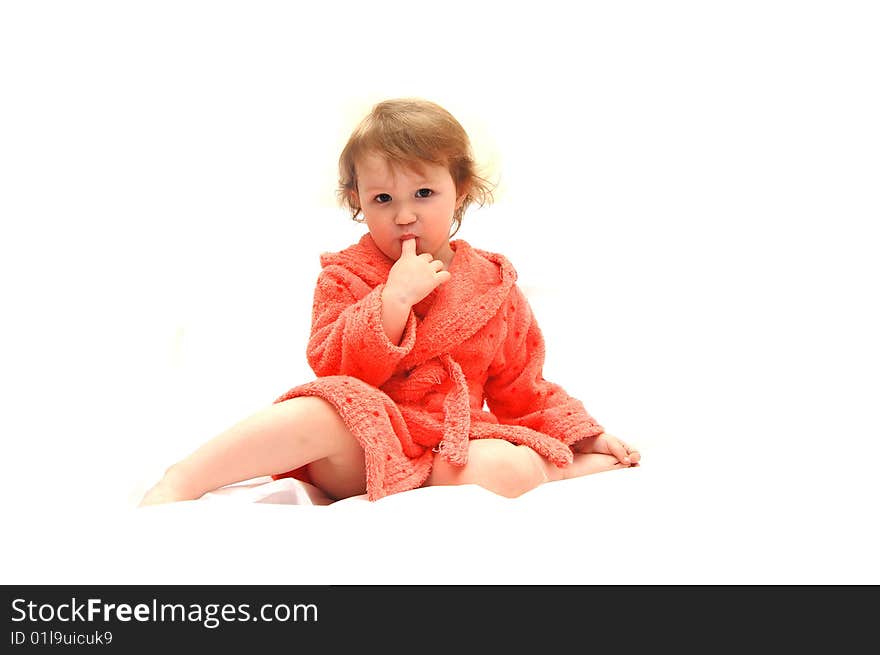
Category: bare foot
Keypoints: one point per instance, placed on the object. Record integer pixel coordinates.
(588, 463)
(164, 491)
(158, 495)
(607, 444)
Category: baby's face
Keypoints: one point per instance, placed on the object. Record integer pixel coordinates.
(399, 203)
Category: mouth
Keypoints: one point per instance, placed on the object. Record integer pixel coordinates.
(408, 236)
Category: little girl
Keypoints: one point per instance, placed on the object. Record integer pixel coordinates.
(427, 355)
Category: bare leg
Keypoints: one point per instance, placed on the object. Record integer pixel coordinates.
(279, 438)
(511, 470)
(585, 464)
(494, 464)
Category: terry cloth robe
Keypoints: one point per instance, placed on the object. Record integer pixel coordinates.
(473, 339)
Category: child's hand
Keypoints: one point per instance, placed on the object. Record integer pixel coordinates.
(607, 444)
(414, 276)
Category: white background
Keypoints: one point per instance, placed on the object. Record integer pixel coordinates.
(688, 190)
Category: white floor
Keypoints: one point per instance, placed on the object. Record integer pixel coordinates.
(663, 524)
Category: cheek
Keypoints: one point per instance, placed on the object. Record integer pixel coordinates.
(378, 224)
(378, 214)
(383, 235)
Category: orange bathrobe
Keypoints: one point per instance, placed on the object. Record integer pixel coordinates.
(473, 339)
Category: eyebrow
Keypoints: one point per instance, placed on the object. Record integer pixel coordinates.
(420, 183)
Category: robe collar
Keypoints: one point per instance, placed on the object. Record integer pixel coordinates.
(480, 283)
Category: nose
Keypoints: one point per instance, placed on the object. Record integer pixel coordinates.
(405, 215)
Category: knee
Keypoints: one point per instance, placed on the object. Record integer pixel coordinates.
(512, 471)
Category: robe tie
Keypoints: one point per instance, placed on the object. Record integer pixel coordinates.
(456, 416)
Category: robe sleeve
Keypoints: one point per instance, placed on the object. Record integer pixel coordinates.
(518, 394)
(347, 336)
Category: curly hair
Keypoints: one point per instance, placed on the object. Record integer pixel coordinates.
(407, 132)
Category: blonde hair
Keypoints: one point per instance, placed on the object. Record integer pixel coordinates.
(407, 132)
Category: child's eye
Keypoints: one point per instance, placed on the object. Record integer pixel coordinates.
(383, 198)
(424, 193)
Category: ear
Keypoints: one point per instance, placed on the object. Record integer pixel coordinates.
(353, 198)
(463, 189)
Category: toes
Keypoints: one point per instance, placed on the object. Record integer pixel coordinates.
(618, 450)
(632, 456)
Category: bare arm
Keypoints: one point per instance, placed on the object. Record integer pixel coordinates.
(395, 313)
(411, 278)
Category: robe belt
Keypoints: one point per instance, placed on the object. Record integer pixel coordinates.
(456, 416)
